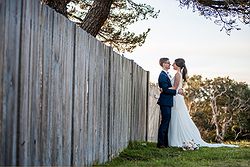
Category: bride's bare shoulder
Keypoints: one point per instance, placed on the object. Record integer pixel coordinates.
(177, 74)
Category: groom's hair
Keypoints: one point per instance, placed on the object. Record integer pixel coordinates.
(163, 60)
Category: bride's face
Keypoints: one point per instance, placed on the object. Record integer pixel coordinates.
(175, 67)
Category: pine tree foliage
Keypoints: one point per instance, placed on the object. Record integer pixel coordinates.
(115, 31)
(226, 13)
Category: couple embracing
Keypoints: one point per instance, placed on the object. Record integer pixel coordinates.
(176, 125)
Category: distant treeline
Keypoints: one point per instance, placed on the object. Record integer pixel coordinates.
(219, 107)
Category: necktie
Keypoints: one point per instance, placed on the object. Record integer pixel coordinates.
(169, 75)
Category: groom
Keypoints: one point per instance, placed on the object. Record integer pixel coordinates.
(165, 101)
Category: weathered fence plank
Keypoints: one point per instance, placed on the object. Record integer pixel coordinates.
(105, 104)
(2, 53)
(102, 101)
(61, 88)
(9, 78)
(34, 84)
(55, 97)
(91, 103)
(67, 80)
(80, 98)
(153, 113)
(46, 19)
(111, 106)
(25, 111)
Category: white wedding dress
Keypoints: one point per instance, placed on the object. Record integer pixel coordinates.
(182, 128)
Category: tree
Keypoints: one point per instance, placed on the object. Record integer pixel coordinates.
(227, 103)
(227, 13)
(96, 16)
(219, 106)
(221, 115)
(241, 104)
(108, 20)
(58, 5)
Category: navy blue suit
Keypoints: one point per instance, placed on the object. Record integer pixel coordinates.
(166, 102)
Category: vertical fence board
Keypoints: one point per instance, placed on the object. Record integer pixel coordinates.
(132, 103)
(46, 36)
(98, 95)
(117, 104)
(120, 106)
(10, 79)
(101, 110)
(61, 88)
(105, 104)
(111, 106)
(128, 99)
(144, 103)
(124, 101)
(34, 82)
(25, 111)
(55, 99)
(80, 103)
(123, 105)
(67, 79)
(133, 107)
(91, 142)
(68, 51)
(2, 53)
(153, 113)
(97, 100)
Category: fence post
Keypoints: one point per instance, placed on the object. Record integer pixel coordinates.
(147, 106)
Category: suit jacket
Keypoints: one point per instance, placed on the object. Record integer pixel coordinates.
(166, 97)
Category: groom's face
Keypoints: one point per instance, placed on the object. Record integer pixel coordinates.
(166, 65)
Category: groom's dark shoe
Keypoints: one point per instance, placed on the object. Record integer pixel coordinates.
(161, 146)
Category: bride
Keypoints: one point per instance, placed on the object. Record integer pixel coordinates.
(182, 128)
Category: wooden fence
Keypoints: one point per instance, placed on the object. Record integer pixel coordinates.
(65, 98)
(153, 113)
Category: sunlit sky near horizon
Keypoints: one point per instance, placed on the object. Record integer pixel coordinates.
(179, 32)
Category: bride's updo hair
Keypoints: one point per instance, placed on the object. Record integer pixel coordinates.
(181, 63)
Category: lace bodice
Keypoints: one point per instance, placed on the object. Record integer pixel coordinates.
(181, 81)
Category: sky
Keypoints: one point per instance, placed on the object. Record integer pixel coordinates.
(182, 33)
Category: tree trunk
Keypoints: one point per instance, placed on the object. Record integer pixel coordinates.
(58, 5)
(96, 16)
(215, 120)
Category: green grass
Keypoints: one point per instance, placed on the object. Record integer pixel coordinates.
(147, 154)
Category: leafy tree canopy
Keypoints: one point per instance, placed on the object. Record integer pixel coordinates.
(220, 107)
(226, 13)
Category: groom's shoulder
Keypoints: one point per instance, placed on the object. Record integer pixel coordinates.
(162, 73)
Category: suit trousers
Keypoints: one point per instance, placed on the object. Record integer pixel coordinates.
(163, 129)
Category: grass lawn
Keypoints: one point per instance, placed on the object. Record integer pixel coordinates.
(147, 154)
